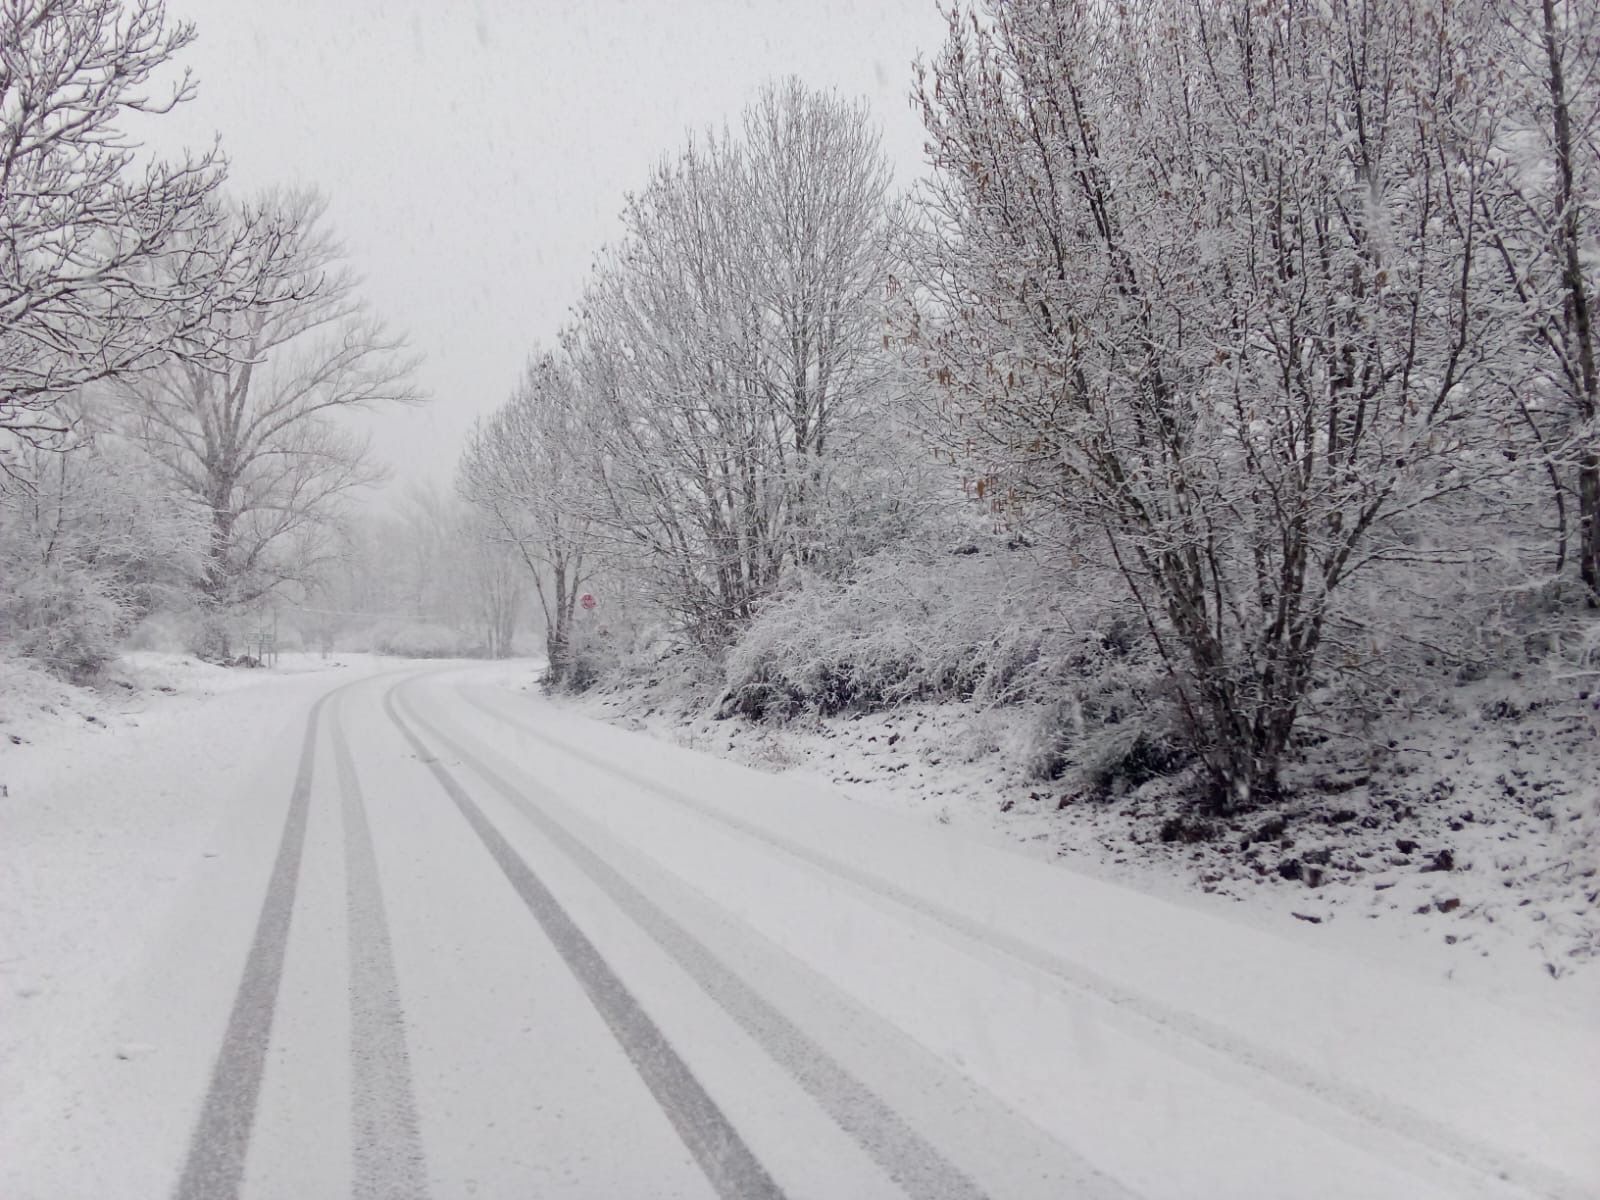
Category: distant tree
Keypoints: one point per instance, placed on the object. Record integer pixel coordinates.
(421, 540)
(96, 542)
(429, 576)
(454, 569)
(731, 345)
(524, 471)
(106, 268)
(252, 433)
(495, 577)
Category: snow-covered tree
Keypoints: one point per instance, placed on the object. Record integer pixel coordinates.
(1542, 216)
(108, 266)
(1206, 281)
(524, 471)
(96, 542)
(253, 432)
(731, 344)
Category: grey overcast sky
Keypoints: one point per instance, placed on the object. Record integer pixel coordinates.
(475, 155)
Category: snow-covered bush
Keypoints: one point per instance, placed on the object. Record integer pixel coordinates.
(418, 640)
(212, 637)
(890, 637)
(587, 664)
(618, 651)
(1110, 730)
(1119, 758)
(980, 623)
(65, 619)
(972, 622)
(90, 547)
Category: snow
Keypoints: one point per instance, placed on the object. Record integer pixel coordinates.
(1047, 1029)
(114, 798)
(1508, 1070)
(1516, 918)
(40, 710)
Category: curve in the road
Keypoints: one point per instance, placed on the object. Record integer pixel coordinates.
(388, 1156)
(1363, 1116)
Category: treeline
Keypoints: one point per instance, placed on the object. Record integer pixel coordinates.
(1230, 376)
(424, 577)
(1260, 340)
(174, 361)
(721, 415)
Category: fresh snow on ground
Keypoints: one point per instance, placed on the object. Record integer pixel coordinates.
(1050, 1023)
(1502, 778)
(1358, 1024)
(38, 710)
(112, 796)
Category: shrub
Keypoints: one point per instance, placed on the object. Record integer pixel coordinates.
(67, 621)
(418, 640)
(211, 638)
(586, 665)
(1126, 757)
(979, 622)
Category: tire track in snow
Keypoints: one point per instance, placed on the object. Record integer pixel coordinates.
(710, 1137)
(214, 1167)
(913, 1163)
(1357, 1114)
(388, 1159)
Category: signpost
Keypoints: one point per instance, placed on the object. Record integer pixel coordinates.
(266, 646)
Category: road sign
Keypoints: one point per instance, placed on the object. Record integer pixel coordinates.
(588, 602)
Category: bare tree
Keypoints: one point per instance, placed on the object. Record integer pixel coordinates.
(730, 344)
(523, 470)
(495, 576)
(1542, 216)
(253, 432)
(1206, 280)
(106, 268)
(419, 544)
(455, 568)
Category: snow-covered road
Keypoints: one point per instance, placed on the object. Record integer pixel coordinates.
(447, 940)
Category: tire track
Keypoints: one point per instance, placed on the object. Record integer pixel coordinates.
(215, 1163)
(729, 1165)
(1357, 1114)
(388, 1162)
(913, 1163)
(213, 1168)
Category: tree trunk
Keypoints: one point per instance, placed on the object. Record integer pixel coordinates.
(1579, 314)
(1589, 525)
(555, 650)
